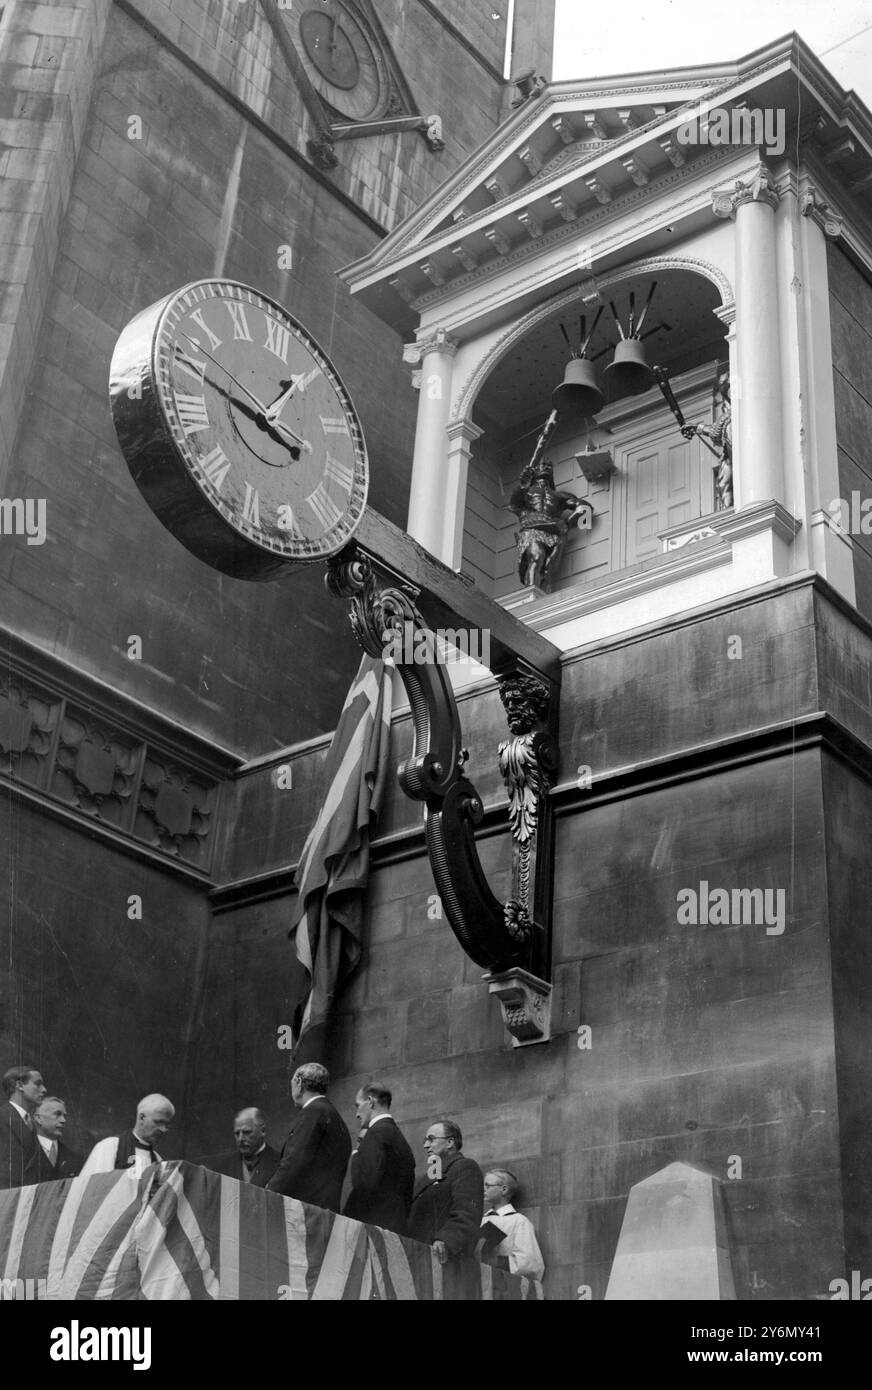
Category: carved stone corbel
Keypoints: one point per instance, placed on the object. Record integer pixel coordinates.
(525, 1002)
(812, 205)
(432, 132)
(322, 152)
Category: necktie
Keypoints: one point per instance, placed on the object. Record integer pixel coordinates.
(53, 1153)
(492, 1211)
(28, 1121)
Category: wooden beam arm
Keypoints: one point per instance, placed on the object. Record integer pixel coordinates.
(450, 600)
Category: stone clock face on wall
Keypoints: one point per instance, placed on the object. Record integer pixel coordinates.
(342, 57)
(238, 430)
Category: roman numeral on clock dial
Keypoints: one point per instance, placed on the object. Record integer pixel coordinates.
(240, 322)
(334, 424)
(339, 472)
(251, 506)
(214, 340)
(324, 507)
(278, 339)
(192, 365)
(192, 412)
(215, 465)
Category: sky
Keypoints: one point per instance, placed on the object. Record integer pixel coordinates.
(607, 38)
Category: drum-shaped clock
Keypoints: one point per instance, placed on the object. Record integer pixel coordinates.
(237, 430)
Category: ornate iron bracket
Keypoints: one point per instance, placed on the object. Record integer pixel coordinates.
(511, 940)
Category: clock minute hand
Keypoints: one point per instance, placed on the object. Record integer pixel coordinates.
(206, 353)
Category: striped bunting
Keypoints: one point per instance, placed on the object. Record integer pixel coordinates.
(183, 1233)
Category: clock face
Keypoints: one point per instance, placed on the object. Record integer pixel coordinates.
(342, 58)
(257, 440)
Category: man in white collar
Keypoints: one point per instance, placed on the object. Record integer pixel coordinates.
(518, 1251)
(134, 1150)
(23, 1088)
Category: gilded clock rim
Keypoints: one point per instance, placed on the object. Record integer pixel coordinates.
(288, 548)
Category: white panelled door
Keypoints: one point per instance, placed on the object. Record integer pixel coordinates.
(667, 480)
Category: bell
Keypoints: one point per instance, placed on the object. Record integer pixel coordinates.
(578, 393)
(628, 373)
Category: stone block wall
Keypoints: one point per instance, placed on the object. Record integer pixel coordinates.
(148, 143)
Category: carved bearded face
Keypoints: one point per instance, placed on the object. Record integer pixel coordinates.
(524, 702)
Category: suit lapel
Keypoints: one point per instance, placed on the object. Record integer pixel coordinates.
(26, 1135)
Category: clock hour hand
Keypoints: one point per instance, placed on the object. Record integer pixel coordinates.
(274, 411)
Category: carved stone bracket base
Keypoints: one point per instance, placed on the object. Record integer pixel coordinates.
(525, 1002)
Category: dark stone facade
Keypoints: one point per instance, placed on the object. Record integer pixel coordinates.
(147, 143)
(709, 1043)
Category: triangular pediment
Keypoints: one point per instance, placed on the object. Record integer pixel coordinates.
(574, 151)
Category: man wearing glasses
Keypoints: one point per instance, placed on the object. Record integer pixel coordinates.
(447, 1203)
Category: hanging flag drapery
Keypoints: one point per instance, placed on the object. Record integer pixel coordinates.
(334, 865)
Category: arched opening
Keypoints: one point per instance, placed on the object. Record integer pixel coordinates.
(657, 480)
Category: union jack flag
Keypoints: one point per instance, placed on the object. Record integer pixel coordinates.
(334, 864)
(183, 1233)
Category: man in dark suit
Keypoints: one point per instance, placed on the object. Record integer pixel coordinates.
(252, 1161)
(56, 1161)
(318, 1146)
(382, 1166)
(23, 1088)
(447, 1204)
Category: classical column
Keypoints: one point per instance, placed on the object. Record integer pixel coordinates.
(756, 396)
(430, 498)
(462, 434)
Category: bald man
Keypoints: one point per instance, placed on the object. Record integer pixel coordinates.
(134, 1150)
(252, 1161)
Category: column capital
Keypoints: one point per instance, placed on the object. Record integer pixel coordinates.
(760, 188)
(465, 430)
(812, 205)
(435, 340)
